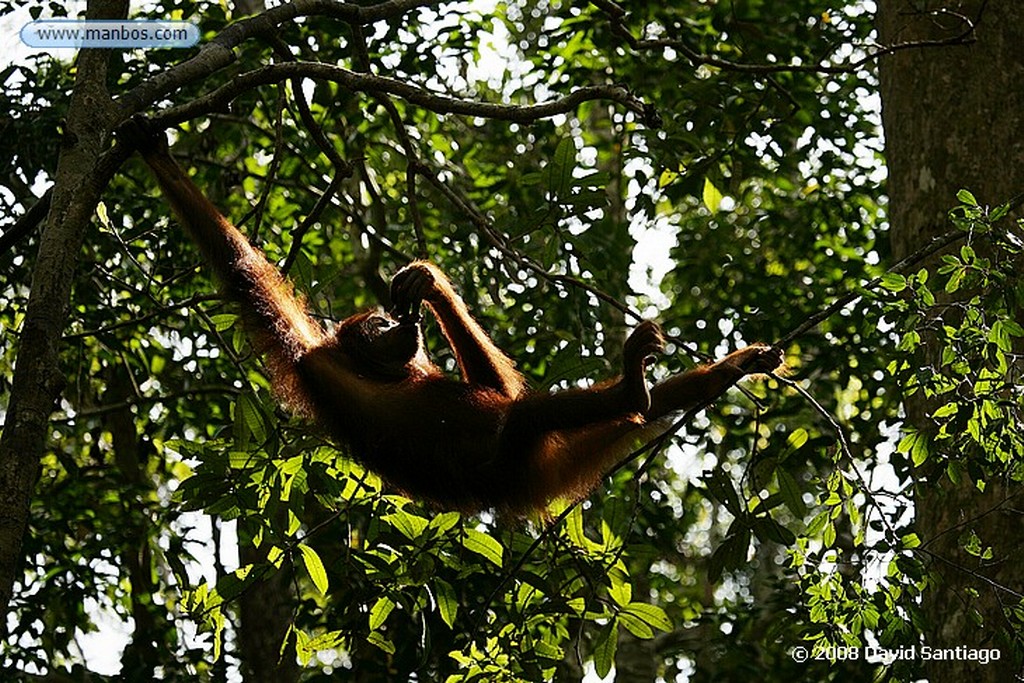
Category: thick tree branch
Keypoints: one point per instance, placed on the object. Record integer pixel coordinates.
(26, 223)
(106, 166)
(382, 85)
(219, 52)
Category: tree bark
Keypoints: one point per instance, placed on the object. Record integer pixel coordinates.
(265, 615)
(951, 117)
(142, 655)
(37, 378)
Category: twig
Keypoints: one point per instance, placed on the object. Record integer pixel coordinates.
(618, 15)
(937, 243)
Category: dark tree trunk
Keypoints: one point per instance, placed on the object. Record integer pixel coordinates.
(265, 614)
(952, 120)
(37, 379)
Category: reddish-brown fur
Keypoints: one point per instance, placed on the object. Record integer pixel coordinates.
(484, 441)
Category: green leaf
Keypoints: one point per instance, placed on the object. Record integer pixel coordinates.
(722, 489)
(651, 615)
(216, 618)
(574, 529)
(561, 166)
(666, 178)
(955, 279)
(818, 523)
(829, 535)
(315, 568)
(792, 496)
(447, 603)
(1013, 328)
(954, 470)
(483, 545)
(380, 611)
(249, 421)
(910, 541)
(238, 460)
(1000, 336)
(914, 444)
(998, 212)
(604, 648)
(894, 282)
(548, 650)
(327, 641)
(408, 524)
(577, 605)
(730, 554)
(635, 625)
(615, 520)
(711, 196)
(620, 590)
(444, 521)
(224, 321)
(797, 439)
(377, 638)
(965, 197)
(974, 427)
(302, 648)
(291, 466)
(767, 528)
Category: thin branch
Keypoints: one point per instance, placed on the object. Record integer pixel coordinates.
(342, 168)
(844, 447)
(972, 573)
(499, 243)
(226, 390)
(135, 322)
(411, 156)
(950, 236)
(617, 15)
(259, 208)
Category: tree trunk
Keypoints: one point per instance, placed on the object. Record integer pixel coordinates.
(37, 378)
(952, 120)
(142, 655)
(266, 612)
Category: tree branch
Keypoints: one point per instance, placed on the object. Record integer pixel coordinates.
(382, 85)
(26, 223)
(937, 243)
(219, 52)
(618, 15)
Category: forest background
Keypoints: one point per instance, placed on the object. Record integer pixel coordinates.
(575, 167)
